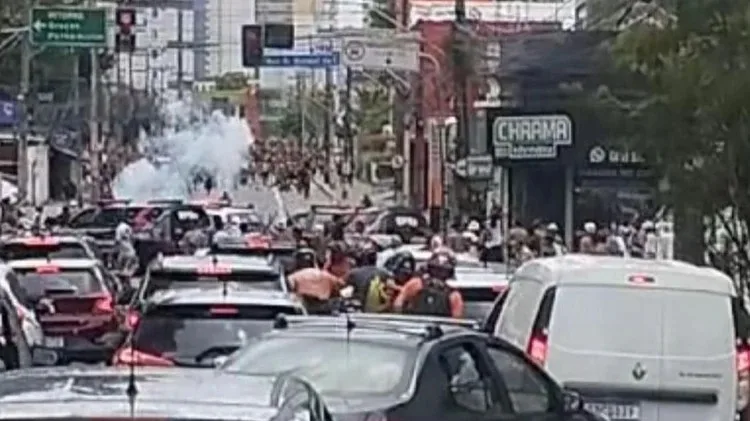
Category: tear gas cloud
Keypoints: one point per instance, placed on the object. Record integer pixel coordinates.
(193, 140)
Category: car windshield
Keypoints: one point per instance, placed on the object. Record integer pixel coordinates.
(106, 217)
(43, 281)
(43, 250)
(165, 279)
(194, 333)
(335, 366)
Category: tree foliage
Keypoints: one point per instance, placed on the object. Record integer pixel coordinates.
(372, 109)
(303, 104)
(231, 81)
(689, 112)
(380, 16)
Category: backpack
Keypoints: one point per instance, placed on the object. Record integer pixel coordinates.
(432, 300)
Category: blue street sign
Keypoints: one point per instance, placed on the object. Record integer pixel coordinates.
(308, 60)
(8, 113)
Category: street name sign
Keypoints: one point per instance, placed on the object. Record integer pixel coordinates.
(68, 27)
(307, 60)
(378, 53)
(475, 167)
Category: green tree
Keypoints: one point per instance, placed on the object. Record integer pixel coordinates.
(380, 15)
(231, 81)
(311, 102)
(372, 109)
(688, 112)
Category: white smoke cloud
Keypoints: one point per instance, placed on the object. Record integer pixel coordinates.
(192, 140)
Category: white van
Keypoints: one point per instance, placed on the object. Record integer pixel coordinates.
(639, 339)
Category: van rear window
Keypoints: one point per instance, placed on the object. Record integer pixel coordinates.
(640, 321)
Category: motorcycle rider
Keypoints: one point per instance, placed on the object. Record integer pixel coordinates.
(430, 294)
(314, 286)
(372, 286)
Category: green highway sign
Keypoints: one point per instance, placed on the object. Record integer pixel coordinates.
(68, 27)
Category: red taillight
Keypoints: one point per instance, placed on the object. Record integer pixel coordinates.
(214, 270)
(641, 279)
(743, 359)
(537, 348)
(743, 375)
(223, 310)
(132, 319)
(104, 305)
(48, 269)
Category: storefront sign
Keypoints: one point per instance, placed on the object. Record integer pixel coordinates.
(604, 156)
(531, 136)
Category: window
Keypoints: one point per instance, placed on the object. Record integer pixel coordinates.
(469, 385)
(17, 290)
(527, 388)
(488, 326)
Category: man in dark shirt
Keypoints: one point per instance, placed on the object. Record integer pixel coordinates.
(366, 272)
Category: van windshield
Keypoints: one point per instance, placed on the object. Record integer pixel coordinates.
(642, 321)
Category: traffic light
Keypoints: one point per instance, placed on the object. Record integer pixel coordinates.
(252, 45)
(125, 35)
(278, 35)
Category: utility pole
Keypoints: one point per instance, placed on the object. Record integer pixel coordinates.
(22, 164)
(94, 124)
(131, 86)
(180, 17)
(349, 145)
(75, 80)
(328, 102)
(461, 69)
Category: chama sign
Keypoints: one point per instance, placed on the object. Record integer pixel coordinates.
(531, 136)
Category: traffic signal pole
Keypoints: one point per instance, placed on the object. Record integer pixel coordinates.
(180, 65)
(22, 164)
(94, 125)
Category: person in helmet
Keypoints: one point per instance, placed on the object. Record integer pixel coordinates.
(314, 286)
(372, 285)
(430, 294)
(337, 259)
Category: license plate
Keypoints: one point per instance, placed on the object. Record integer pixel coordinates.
(615, 411)
(54, 341)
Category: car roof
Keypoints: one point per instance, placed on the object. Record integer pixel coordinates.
(52, 238)
(393, 329)
(235, 262)
(77, 263)
(581, 269)
(488, 277)
(236, 294)
(173, 393)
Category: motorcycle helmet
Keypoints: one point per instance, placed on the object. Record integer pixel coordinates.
(305, 258)
(441, 265)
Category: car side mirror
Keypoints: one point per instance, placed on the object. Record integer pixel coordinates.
(571, 402)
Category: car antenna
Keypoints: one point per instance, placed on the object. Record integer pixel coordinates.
(224, 291)
(132, 390)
